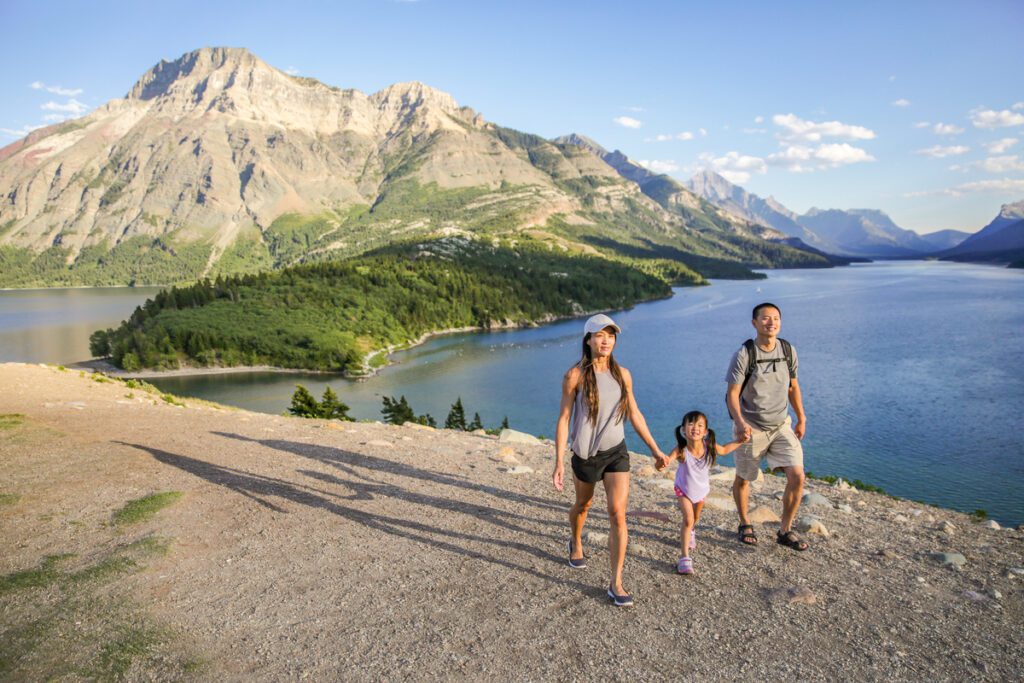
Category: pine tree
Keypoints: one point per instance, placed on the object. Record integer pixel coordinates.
(504, 423)
(456, 417)
(397, 412)
(303, 403)
(475, 424)
(333, 409)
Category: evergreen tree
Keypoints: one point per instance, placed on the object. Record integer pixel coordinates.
(504, 423)
(397, 412)
(333, 409)
(475, 424)
(427, 420)
(456, 416)
(303, 403)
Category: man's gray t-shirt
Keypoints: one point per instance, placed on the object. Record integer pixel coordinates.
(764, 403)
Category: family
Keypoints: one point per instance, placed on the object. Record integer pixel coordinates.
(597, 394)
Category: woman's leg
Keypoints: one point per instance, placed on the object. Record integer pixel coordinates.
(616, 489)
(578, 515)
(688, 521)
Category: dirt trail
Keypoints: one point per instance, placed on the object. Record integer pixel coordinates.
(332, 551)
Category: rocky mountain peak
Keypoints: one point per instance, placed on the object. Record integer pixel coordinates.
(1014, 210)
(582, 141)
(193, 68)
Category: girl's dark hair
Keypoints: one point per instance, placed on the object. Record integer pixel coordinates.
(589, 389)
(710, 448)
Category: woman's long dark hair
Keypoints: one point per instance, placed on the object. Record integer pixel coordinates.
(589, 389)
(709, 441)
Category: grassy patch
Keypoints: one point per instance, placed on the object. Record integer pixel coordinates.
(9, 499)
(979, 515)
(11, 420)
(43, 575)
(144, 508)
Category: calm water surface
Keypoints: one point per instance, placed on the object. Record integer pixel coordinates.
(908, 373)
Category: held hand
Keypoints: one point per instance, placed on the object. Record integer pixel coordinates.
(557, 477)
(660, 461)
(800, 428)
(742, 431)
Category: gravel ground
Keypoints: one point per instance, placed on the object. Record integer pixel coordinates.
(358, 551)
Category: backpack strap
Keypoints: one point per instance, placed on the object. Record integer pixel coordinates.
(787, 352)
(751, 348)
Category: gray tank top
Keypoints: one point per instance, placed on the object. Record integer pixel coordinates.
(608, 431)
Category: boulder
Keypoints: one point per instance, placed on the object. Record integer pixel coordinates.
(843, 507)
(507, 455)
(763, 514)
(816, 500)
(975, 596)
(951, 560)
(992, 524)
(722, 474)
(720, 501)
(512, 436)
(811, 525)
(947, 528)
(843, 485)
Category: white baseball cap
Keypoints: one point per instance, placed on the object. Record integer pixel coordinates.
(598, 322)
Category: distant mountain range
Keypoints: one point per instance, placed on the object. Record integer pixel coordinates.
(854, 232)
(219, 163)
(1001, 240)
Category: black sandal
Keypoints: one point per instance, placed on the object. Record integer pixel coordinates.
(747, 537)
(790, 540)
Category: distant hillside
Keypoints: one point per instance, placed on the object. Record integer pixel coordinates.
(945, 239)
(865, 232)
(217, 163)
(1001, 240)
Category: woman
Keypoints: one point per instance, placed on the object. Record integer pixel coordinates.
(599, 395)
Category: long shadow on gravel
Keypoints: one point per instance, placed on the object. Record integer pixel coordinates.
(348, 462)
(257, 487)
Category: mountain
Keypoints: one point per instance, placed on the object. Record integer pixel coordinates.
(219, 163)
(1000, 240)
(865, 232)
(945, 239)
(734, 233)
(733, 198)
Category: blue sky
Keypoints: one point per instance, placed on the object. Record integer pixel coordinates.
(915, 108)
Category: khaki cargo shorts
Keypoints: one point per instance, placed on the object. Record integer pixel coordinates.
(779, 446)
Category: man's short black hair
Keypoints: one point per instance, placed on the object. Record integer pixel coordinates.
(757, 309)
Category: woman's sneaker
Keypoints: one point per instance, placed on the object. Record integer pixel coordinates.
(620, 600)
(684, 566)
(581, 563)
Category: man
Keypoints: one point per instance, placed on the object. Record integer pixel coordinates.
(758, 402)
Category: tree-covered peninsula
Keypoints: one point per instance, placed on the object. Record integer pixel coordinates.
(333, 315)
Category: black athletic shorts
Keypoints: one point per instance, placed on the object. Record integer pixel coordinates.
(592, 470)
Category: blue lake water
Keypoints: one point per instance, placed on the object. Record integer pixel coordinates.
(910, 373)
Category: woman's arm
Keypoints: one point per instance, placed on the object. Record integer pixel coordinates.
(639, 424)
(569, 385)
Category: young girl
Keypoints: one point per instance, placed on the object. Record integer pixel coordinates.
(697, 452)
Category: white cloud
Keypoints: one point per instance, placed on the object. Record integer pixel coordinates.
(666, 137)
(1005, 185)
(804, 159)
(1001, 164)
(735, 167)
(627, 122)
(800, 130)
(703, 133)
(922, 124)
(947, 129)
(989, 118)
(55, 118)
(758, 119)
(1019, 105)
(657, 166)
(900, 103)
(292, 71)
(1000, 146)
(72, 106)
(940, 152)
(19, 133)
(637, 110)
(56, 89)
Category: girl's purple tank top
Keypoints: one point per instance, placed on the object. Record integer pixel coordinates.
(692, 476)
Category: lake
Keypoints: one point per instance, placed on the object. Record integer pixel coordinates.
(908, 371)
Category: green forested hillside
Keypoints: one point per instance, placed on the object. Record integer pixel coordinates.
(331, 315)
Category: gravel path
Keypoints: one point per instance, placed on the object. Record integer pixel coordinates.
(345, 551)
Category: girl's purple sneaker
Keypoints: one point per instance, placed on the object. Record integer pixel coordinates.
(684, 566)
